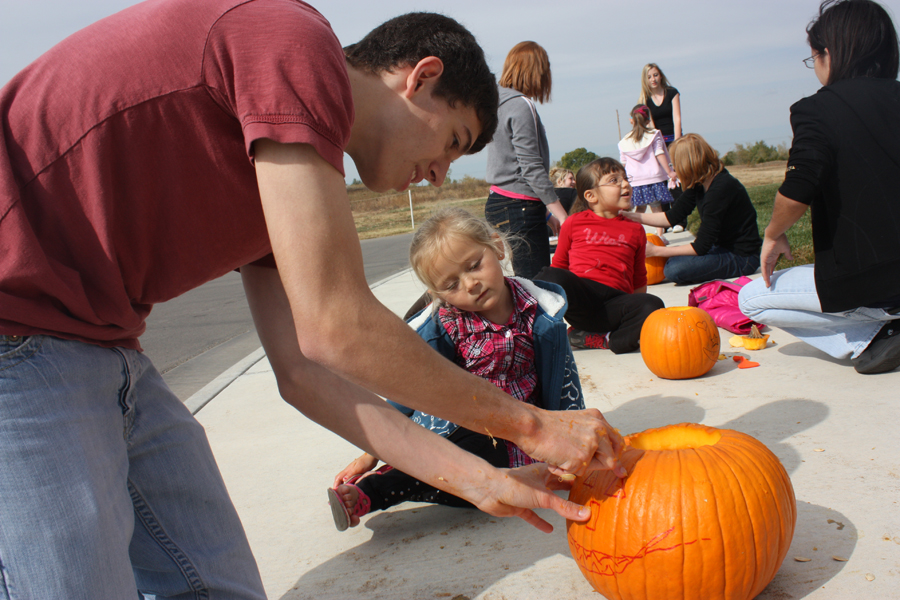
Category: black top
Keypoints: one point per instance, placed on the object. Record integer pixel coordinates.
(728, 219)
(662, 114)
(566, 197)
(845, 163)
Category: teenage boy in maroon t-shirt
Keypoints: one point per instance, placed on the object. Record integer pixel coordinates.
(163, 147)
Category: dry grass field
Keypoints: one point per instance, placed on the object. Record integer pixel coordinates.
(379, 215)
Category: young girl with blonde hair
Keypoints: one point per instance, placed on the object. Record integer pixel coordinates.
(647, 163)
(507, 330)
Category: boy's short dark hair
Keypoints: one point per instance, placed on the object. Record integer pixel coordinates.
(407, 39)
(860, 38)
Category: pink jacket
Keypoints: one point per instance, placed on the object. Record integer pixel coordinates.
(640, 158)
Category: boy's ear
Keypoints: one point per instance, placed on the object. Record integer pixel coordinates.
(423, 75)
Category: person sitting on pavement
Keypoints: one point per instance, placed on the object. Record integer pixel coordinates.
(599, 262)
(206, 138)
(564, 186)
(509, 331)
(845, 165)
(728, 241)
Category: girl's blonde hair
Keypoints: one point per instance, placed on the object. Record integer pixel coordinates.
(430, 241)
(590, 175)
(527, 70)
(640, 115)
(645, 87)
(557, 174)
(694, 160)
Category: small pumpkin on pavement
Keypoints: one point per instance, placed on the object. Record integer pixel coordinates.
(679, 342)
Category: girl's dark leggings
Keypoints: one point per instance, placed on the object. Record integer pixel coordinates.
(598, 308)
(387, 489)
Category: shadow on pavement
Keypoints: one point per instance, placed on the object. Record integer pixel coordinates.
(820, 534)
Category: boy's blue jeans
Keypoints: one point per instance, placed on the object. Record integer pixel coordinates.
(108, 486)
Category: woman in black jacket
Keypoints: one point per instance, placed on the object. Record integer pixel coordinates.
(845, 165)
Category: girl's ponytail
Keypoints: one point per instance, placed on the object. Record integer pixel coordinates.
(640, 116)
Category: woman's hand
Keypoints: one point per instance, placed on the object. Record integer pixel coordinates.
(632, 216)
(363, 464)
(772, 249)
(553, 223)
(653, 250)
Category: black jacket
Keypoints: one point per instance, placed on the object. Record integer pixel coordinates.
(845, 163)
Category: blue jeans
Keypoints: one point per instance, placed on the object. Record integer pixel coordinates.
(526, 222)
(718, 263)
(108, 487)
(792, 304)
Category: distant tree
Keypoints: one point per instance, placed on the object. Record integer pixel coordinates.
(576, 159)
(356, 182)
(759, 152)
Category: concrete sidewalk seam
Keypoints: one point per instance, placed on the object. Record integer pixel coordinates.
(215, 387)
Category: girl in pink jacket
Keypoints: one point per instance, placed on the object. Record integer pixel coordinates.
(647, 163)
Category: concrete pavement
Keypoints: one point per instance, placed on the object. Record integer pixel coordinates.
(834, 430)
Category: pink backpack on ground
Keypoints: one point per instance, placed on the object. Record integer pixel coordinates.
(720, 300)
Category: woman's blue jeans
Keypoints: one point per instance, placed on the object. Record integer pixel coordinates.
(526, 222)
(718, 263)
(792, 304)
(108, 486)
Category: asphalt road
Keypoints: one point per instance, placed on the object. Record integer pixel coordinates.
(195, 337)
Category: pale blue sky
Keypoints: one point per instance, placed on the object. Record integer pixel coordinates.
(735, 62)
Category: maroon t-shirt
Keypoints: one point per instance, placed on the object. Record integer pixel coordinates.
(126, 173)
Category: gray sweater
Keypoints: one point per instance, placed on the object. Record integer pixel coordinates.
(518, 159)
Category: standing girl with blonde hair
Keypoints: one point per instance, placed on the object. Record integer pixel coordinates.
(647, 163)
(663, 100)
(522, 199)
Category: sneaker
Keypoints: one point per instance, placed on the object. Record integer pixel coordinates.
(883, 352)
(677, 229)
(585, 340)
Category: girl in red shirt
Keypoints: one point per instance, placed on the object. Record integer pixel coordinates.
(599, 262)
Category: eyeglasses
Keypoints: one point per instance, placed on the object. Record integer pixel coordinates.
(811, 61)
(618, 180)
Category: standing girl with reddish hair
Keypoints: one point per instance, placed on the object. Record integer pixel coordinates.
(522, 199)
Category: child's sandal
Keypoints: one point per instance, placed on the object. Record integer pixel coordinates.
(339, 511)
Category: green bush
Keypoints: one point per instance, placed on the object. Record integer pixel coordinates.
(799, 236)
(759, 152)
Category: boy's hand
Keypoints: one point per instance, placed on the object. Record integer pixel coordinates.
(518, 491)
(574, 442)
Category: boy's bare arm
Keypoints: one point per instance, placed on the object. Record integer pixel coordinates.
(341, 325)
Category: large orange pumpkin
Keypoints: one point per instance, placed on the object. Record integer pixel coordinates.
(679, 342)
(703, 513)
(656, 264)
